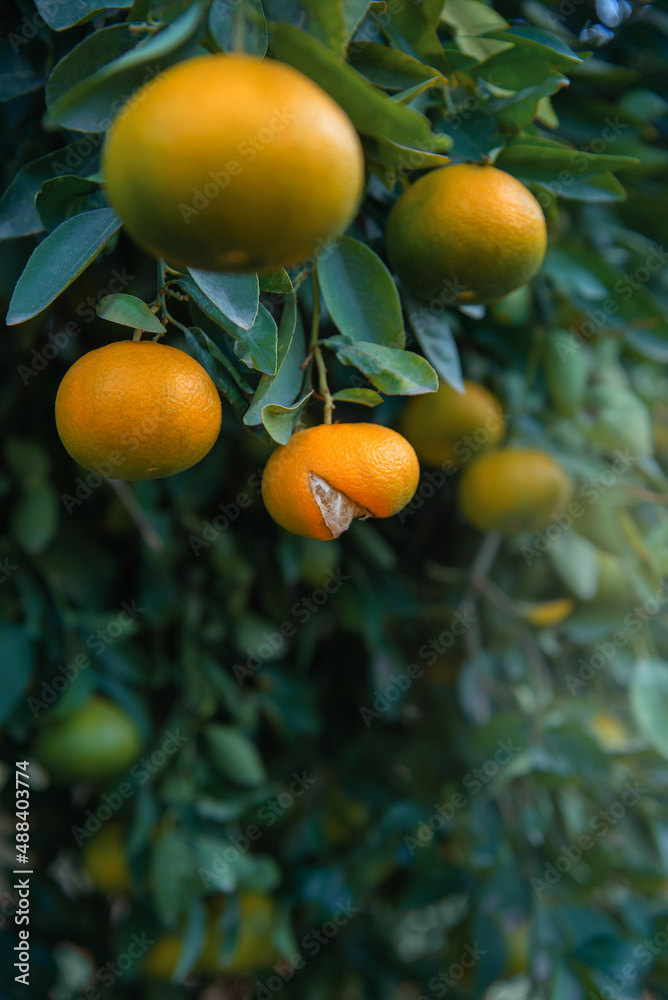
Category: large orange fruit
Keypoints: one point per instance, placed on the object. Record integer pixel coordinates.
(513, 489)
(466, 234)
(137, 410)
(327, 475)
(230, 163)
(449, 427)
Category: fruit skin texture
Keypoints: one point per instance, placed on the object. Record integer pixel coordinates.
(510, 490)
(277, 163)
(96, 741)
(105, 860)
(373, 466)
(137, 410)
(466, 234)
(437, 423)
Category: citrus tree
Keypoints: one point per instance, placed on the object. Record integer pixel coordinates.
(298, 715)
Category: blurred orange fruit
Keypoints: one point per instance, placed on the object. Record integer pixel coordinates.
(137, 410)
(465, 234)
(447, 426)
(328, 475)
(231, 163)
(105, 859)
(547, 613)
(513, 489)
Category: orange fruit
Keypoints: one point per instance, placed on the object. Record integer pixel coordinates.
(327, 475)
(513, 489)
(548, 613)
(447, 426)
(105, 859)
(465, 234)
(94, 741)
(231, 163)
(137, 410)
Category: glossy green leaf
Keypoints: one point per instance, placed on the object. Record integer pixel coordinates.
(59, 259)
(83, 90)
(61, 14)
(276, 283)
(360, 294)
(325, 22)
(365, 397)
(649, 702)
(234, 754)
(390, 68)
(369, 109)
(128, 310)
(17, 663)
(519, 110)
(280, 421)
(239, 26)
(353, 14)
(471, 17)
(283, 387)
(36, 519)
(17, 77)
(210, 357)
(433, 334)
(403, 157)
(192, 940)
(575, 560)
(236, 295)
(64, 197)
(409, 30)
(395, 372)
(530, 159)
(18, 214)
(259, 342)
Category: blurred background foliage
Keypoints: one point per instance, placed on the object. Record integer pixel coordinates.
(443, 812)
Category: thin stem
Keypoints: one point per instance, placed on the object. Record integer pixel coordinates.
(137, 334)
(317, 352)
(138, 515)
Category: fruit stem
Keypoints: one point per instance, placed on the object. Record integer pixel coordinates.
(317, 352)
(137, 334)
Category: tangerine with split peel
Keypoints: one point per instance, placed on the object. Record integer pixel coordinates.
(328, 475)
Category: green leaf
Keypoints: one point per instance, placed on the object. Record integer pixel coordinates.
(531, 41)
(353, 14)
(325, 22)
(234, 755)
(395, 372)
(403, 157)
(59, 259)
(17, 77)
(519, 110)
(192, 940)
(66, 13)
(649, 702)
(471, 17)
(365, 397)
(239, 27)
(64, 197)
(531, 159)
(236, 295)
(360, 294)
(36, 519)
(82, 91)
(259, 342)
(280, 421)
(210, 357)
(576, 561)
(433, 334)
(17, 663)
(283, 387)
(370, 111)
(409, 30)
(128, 310)
(601, 188)
(277, 283)
(18, 215)
(389, 68)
